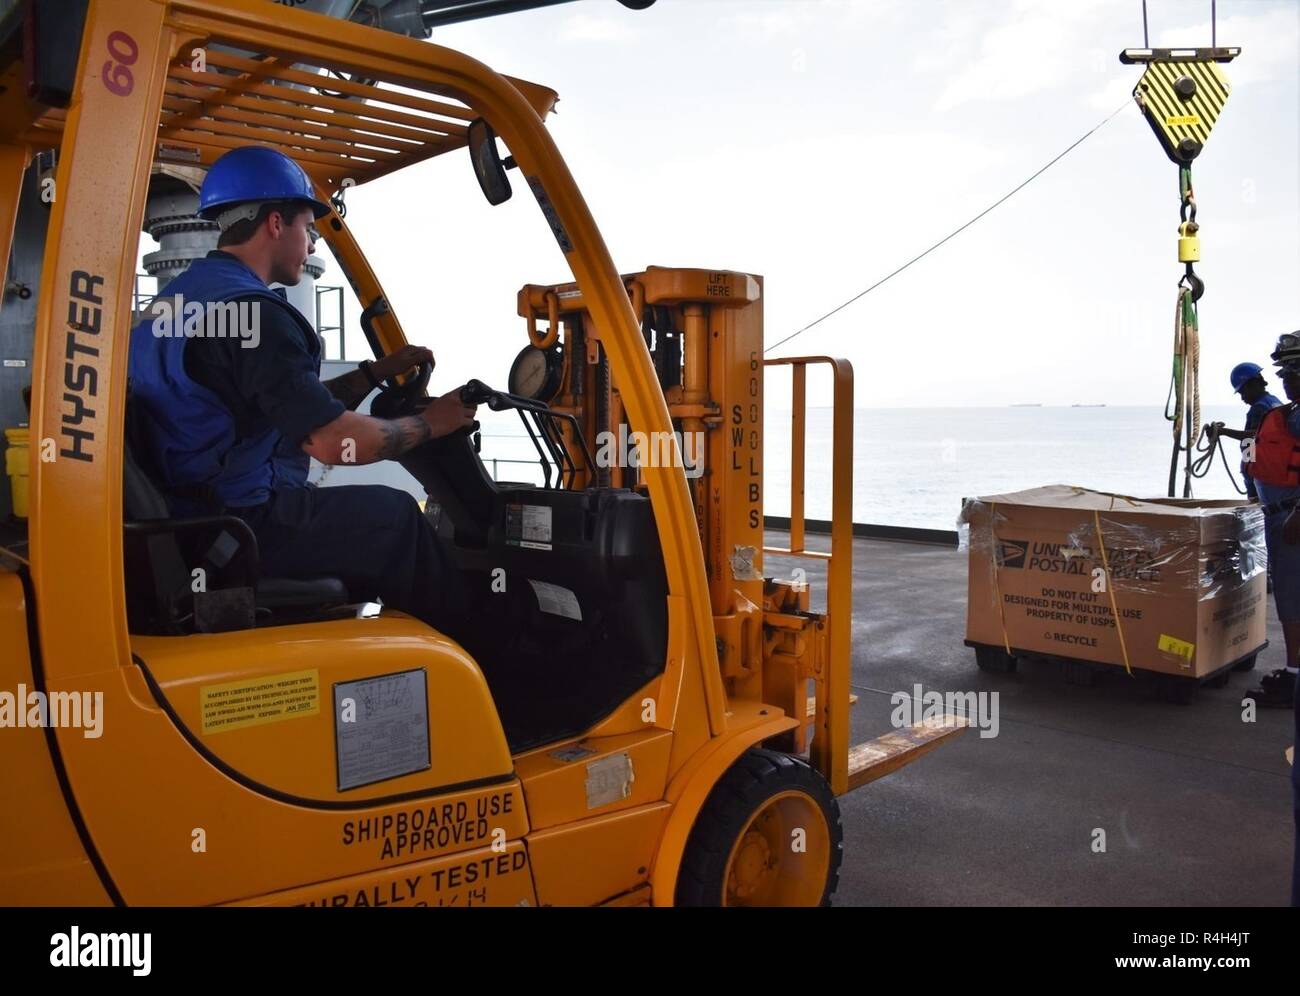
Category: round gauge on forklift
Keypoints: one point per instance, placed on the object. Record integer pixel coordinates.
(536, 373)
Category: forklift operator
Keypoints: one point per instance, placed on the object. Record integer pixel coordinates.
(231, 416)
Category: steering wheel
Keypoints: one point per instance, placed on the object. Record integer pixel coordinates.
(398, 399)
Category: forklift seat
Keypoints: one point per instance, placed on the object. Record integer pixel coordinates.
(159, 550)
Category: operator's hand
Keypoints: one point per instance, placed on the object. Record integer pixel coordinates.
(1291, 529)
(448, 413)
(401, 361)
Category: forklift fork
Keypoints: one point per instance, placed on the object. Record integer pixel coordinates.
(822, 644)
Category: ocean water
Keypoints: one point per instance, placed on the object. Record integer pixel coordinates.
(913, 466)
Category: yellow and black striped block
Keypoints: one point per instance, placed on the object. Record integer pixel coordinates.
(1182, 100)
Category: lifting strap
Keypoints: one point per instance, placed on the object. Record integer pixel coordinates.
(1185, 389)
(1181, 94)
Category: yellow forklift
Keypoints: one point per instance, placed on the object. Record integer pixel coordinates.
(647, 718)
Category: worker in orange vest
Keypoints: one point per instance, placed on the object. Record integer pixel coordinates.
(1275, 468)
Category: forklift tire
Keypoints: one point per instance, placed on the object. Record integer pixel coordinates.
(769, 835)
(1246, 665)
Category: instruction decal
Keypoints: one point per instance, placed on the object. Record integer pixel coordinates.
(529, 526)
(381, 728)
(270, 698)
(556, 600)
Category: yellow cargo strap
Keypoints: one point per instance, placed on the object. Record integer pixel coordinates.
(997, 587)
(1110, 590)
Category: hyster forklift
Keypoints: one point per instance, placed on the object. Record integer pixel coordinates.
(644, 718)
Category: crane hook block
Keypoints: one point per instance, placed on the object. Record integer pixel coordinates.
(1181, 94)
(1189, 243)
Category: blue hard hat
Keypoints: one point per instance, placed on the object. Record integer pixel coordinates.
(1242, 373)
(255, 173)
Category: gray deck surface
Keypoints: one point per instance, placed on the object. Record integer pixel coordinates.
(1195, 803)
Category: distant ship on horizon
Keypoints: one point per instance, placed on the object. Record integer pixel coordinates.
(1077, 405)
(1026, 404)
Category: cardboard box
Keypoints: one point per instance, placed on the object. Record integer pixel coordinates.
(1187, 578)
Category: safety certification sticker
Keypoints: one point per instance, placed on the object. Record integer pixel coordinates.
(529, 526)
(556, 600)
(255, 701)
(609, 779)
(381, 728)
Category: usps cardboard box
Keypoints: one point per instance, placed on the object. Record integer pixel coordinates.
(1173, 586)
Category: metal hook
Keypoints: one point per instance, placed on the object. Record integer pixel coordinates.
(1194, 283)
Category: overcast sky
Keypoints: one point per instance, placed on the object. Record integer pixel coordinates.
(820, 143)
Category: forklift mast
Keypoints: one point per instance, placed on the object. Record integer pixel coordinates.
(704, 332)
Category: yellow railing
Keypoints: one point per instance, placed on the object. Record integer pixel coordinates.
(830, 744)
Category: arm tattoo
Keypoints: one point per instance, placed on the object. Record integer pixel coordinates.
(401, 435)
(351, 388)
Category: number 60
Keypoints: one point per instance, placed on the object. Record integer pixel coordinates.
(116, 76)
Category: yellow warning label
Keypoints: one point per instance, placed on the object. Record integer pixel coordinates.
(1182, 100)
(1179, 648)
(253, 701)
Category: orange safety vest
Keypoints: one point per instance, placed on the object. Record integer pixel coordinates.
(1277, 451)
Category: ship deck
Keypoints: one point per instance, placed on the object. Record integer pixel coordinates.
(1195, 804)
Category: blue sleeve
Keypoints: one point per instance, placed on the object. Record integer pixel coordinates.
(278, 377)
(1257, 411)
